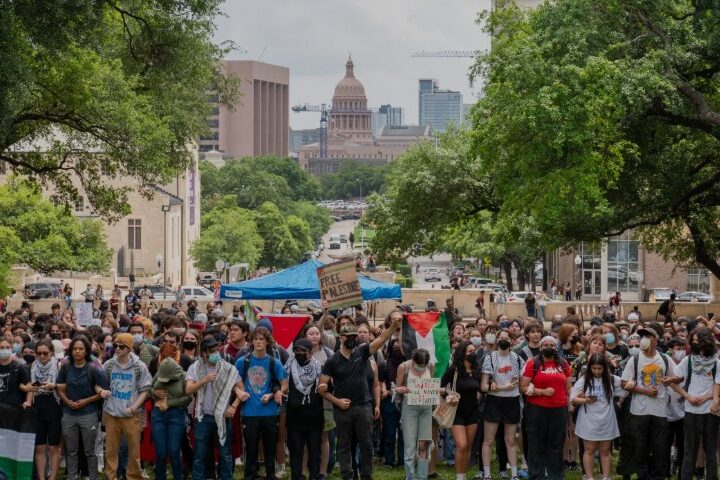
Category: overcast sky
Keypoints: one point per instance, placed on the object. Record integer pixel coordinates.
(313, 38)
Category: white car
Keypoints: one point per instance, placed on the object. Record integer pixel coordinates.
(520, 297)
(432, 274)
(194, 292)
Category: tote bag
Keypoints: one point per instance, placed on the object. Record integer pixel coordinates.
(444, 413)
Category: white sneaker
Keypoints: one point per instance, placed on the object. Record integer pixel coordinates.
(238, 461)
(280, 470)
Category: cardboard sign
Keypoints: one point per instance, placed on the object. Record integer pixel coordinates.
(84, 312)
(339, 284)
(423, 391)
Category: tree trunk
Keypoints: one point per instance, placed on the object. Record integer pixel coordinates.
(532, 279)
(545, 272)
(507, 266)
(521, 278)
(701, 253)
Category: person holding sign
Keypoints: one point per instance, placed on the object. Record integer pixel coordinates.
(500, 378)
(416, 420)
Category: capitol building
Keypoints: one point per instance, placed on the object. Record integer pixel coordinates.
(350, 135)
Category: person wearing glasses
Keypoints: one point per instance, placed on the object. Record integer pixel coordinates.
(43, 375)
(169, 347)
(122, 414)
(76, 385)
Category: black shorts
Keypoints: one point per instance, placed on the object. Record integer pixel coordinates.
(504, 410)
(466, 416)
(49, 432)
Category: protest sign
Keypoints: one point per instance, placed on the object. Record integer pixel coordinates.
(423, 391)
(339, 284)
(84, 312)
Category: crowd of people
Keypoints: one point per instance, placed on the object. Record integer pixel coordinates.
(179, 389)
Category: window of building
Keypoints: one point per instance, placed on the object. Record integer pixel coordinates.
(622, 256)
(698, 279)
(215, 111)
(213, 123)
(212, 136)
(134, 234)
(80, 205)
(590, 268)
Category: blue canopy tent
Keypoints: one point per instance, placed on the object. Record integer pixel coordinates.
(301, 283)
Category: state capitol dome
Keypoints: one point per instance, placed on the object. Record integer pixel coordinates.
(349, 86)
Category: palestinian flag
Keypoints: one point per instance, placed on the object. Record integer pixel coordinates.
(427, 330)
(17, 442)
(251, 313)
(286, 327)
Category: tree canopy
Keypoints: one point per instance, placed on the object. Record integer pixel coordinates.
(95, 89)
(599, 117)
(46, 237)
(353, 179)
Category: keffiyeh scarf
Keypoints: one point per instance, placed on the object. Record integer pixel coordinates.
(304, 376)
(44, 374)
(227, 377)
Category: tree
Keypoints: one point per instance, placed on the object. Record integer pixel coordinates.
(228, 233)
(353, 179)
(283, 236)
(46, 237)
(599, 117)
(91, 90)
(317, 218)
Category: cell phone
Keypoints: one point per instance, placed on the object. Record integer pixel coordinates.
(36, 384)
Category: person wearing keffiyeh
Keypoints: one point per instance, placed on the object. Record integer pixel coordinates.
(213, 381)
(43, 375)
(305, 415)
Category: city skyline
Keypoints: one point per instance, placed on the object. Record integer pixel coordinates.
(316, 56)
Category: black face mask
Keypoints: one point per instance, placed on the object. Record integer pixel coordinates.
(302, 358)
(575, 339)
(503, 344)
(56, 336)
(350, 343)
(189, 345)
(471, 358)
(548, 352)
(29, 359)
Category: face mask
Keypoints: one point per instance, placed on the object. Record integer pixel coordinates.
(490, 338)
(56, 336)
(678, 355)
(503, 344)
(476, 341)
(609, 338)
(17, 348)
(214, 358)
(623, 338)
(548, 352)
(5, 353)
(419, 368)
(189, 345)
(302, 358)
(138, 338)
(29, 359)
(107, 330)
(634, 350)
(644, 343)
(575, 339)
(108, 346)
(350, 343)
(472, 359)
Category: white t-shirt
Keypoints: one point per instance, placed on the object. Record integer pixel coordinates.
(650, 373)
(597, 421)
(503, 370)
(208, 394)
(701, 383)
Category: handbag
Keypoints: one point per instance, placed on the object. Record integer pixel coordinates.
(444, 413)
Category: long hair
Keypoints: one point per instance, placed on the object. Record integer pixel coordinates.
(458, 357)
(705, 341)
(599, 359)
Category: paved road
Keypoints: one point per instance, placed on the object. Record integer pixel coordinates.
(344, 227)
(439, 261)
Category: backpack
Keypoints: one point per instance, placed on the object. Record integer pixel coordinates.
(274, 382)
(664, 308)
(689, 373)
(636, 359)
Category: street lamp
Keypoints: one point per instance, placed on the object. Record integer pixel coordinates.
(165, 208)
(578, 262)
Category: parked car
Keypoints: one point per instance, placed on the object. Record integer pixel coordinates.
(334, 242)
(693, 297)
(194, 292)
(207, 279)
(43, 290)
(662, 294)
(494, 288)
(156, 291)
(520, 297)
(343, 238)
(432, 274)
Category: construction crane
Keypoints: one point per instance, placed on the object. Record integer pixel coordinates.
(446, 54)
(324, 110)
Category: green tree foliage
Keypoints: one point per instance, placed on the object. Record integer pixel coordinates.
(353, 179)
(228, 233)
(286, 238)
(600, 117)
(100, 89)
(46, 237)
(317, 218)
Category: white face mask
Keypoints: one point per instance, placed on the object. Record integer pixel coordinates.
(490, 338)
(645, 343)
(634, 350)
(476, 341)
(678, 355)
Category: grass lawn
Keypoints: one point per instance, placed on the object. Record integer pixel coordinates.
(358, 233)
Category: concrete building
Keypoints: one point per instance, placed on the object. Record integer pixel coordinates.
(350, 135)
(259, 123)
(438, 108)
(386, 116)
(298, 138)
(621, 264)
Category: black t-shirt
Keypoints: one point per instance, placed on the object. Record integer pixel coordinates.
(12, 376)
(467, 386)
(350, 375)
(621, 350)
(78, 385)
(307, 417)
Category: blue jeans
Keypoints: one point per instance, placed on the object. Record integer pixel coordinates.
(205, 437)
(416, 427)
(168, 429)
(391, 430)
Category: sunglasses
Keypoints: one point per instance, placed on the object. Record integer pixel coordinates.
(119, 346)
(43, 354)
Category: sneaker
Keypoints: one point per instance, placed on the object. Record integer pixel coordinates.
(478, 475)
(523, 473)
(280, 470)
(238, 462)
(504, 475)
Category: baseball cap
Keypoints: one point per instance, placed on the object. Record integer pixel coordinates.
(347, 330)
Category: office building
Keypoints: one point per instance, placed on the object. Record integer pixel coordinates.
(386, 116)
(298, 138)
(438, 108)
(259, 123)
